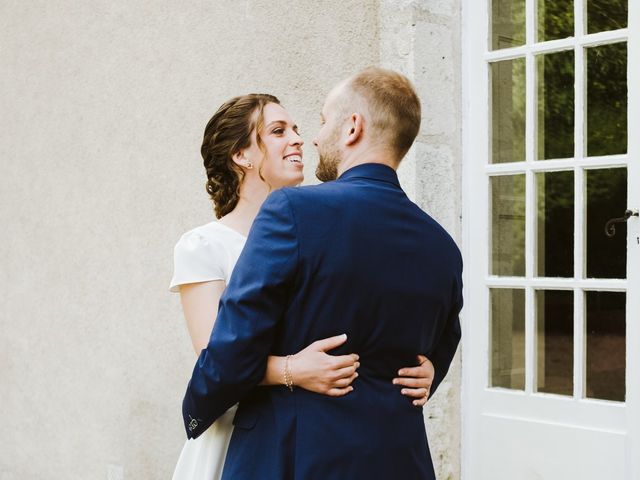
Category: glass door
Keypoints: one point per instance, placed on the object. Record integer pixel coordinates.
(552, 184)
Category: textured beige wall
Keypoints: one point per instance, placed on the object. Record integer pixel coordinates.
(102, 110)
(103, 107)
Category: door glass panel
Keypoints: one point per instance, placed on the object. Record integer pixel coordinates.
(555, 105)
(507, 23)
(606, 199)
(555, 19)
(606, 346)
(605, 15)
(607, 99)
(554, 320)
(508, 225)
(555, 224)
(507, 338)
(508, 111)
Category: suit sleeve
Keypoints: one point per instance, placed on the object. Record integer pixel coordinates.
(253, 303)
(445, 349)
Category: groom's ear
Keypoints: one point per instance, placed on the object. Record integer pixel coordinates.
(356, 129)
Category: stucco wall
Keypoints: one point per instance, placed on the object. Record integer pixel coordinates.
(103, 107)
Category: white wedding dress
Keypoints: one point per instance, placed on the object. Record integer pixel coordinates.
(206, 253)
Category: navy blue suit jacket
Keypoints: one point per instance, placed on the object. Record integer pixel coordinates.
(352, 256)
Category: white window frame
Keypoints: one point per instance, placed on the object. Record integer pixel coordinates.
(476, 233)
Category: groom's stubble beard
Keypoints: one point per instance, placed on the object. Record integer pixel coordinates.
(327, 169)
(330, 158)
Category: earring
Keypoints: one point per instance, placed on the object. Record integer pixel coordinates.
(248, 165)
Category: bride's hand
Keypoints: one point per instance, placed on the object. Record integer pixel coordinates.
(417, 380)
(314, 370)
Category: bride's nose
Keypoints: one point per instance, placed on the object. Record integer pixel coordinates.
(296, 139)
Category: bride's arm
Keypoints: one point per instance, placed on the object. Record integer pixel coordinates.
(312, 368)
(315, 370)
(200, 307)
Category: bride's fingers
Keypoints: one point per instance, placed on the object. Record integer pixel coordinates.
(344, 361)
(347, 371)
(339, 392)
(415, 372)
(421, 402)
(329, 343)
(413, 382)
(345, 382)
(415, 392)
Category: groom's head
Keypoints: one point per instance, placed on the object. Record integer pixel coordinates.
(375, 111)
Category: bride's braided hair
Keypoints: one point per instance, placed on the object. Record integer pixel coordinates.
(228, 132)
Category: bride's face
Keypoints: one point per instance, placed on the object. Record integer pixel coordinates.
(279, 161)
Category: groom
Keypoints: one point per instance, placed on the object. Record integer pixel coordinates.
(350, 256)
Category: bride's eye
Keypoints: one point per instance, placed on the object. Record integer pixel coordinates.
(278, 131)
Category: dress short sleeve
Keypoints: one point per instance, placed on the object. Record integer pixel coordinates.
(197, 258)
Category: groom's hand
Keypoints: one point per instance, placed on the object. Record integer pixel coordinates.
(417, 380)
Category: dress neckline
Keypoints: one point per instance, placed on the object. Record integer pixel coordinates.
(226, 227)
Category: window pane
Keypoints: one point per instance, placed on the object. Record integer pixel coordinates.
(606, 199)
(554, 318)
(507, 23)
(507, 224)
(606, 345)
(508, 110)
(606, 15)
(507, 338)
(607, 99)
(555, 19)
(555, 105)
(555, 224)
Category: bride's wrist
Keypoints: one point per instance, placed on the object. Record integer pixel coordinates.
(287, 373)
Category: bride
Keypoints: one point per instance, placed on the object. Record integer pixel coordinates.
(250, 148)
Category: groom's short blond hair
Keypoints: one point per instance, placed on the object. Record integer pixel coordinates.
(392, 104)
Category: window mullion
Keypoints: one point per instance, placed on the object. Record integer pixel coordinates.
(579, 346)
(530, 213)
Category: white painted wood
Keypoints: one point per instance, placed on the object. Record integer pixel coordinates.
(545, 407)
(475, 97)
(633, 246)
(579, 209)
(524, 449)
(557, 165)
(606, 284)
(579, 344)
(511, 434)
(531, 113)
(551, 46)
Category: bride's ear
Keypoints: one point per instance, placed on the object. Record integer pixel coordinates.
(240, 159)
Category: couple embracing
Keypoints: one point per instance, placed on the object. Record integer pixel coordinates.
(341, 316)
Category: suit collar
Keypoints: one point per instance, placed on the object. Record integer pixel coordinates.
(372, 171)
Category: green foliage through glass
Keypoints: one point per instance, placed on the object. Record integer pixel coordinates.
(604, 15)
(508, 105)
(508, 225)
(555, 19)
(607, 99)
(556, 120)
(507, 23)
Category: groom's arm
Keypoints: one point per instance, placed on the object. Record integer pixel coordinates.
(445, 349)
(234, 361)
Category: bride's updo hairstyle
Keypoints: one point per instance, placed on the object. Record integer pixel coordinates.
(228, 132)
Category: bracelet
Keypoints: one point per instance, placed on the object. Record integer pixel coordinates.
(288, 378)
